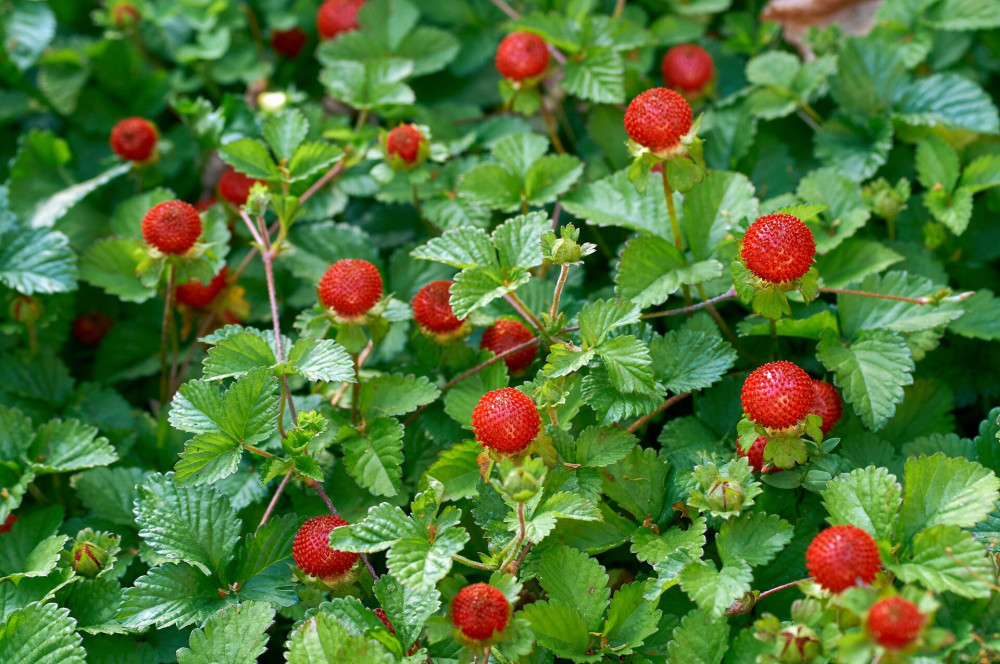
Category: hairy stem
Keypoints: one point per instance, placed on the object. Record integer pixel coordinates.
(899, 298)
(675, 225)
(784, 586)
(553, 129)
(560, 284)
(728, 295)
(275, 497)
(168, 322)
(337, 169)
(619, 7)
(635, 426)
(471, 563)
(521, 308)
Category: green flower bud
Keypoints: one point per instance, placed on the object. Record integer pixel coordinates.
(725, 496)
(89, 559)
(25, 310)
(566, 252)
(797, 644)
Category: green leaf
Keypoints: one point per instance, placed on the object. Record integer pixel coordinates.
(715, 591)
(954, 211)
(600, 317)
(284, 131)
(559, 627)
(269, 545)
(34, 260)
(946, 558)
(69, 445)
(598, 76)
(854, 260)
(870, 75)
(628, 363)
(753, 538)
(418, 563)
(323, 640)
(636, 483)
(321, 360)
(461, 400)
(714, 209)
(655, 548)
(27, 28)
(846, 211)
(518, 240)
(114, 264)
(937, 164)
(948, 100)
(541, 520)
(597, 447)
(686, 360)
(50, 210)
(247, 411)
(572, 577)
(236, 352)
(492, 186)
(855, 148)
(651, 269)
(369, 85)
(109, 493)
(476, 287)
(170, 594)
(982, 311)
(32, 547)
(461, 248)
(983, 173)
(235, 635)
(41, 634)
(941, 490)
(375, 459)
(613, 201)
(869, 313)
(457, 469)
(549, 177)
(631, 619)
(312, 157)
(406, 609)
(250, 157)
(963, 15)
(868, 498)
(396, 394)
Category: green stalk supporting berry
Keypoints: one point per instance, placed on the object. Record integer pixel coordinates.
(168, 322)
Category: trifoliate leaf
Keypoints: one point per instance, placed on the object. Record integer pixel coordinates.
(754, 538)
(714, 591)
(235, 635)
(946, 558)
(868, 498)
(41, 634)
(943, 490)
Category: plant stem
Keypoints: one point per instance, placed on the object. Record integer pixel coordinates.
(337, 169)
(728, 295)
(275, 497)
(253, 228)
(635, 426)
(258, 451)
(890, 226)
(318, 487)
(520, 538)
(560, 284)
(362, 118)
(471, 563)
(523, 310)
(886, 296)
(168, 321)
(714, 313)
(808, 120)
(675, 225)
(782, 587)
(811, 112)
(553, 130)
(619, 7)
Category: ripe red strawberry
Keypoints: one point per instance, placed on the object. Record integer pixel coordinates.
(172, 227)
(289, 43)
(841, 556)
(506, 420)
(404, 141)
(827, 405)
(777, 395)
(778, 248)
(235, 186)
(657, 119)
(134, 139)
(8, 523)
(337, 16)
(687, 67)
(199, 295)
(350, 287)
(522, 55)
(480, 610)
(756, 455)
(894, 622)
(91, 327)
(124, 15)
(204, 204)
(505, 334)
(432, 308)
(312, 553)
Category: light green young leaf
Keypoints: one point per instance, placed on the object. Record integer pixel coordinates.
(982, 173)
(597, 447)
(284, 131)
(461, 248)
(476, 287)
(406, 609)
(321, 360)
(323, 640)
(937, 164)
(637, 482)
(112, 264)
(368, 85)
(628, 363)
(613, 201)
(598, 318)
(550, 177)
(868, 498)
(250, 157)
(235, 635)
(518, 240)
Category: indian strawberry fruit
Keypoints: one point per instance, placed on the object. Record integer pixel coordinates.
(337, 16)
(841, 556)
(199, 295)
(777, 395)
(235, 186)
(755, 455)
(312, 553)
(351, 287)
(522, 55)
(134, 139)
(894, 622)
(657, 119)
(91, 327)
(480, 610)
(124, 15)
(506, 334)
(289, 43)
(778, 248)
(432, 308)
(827, 405)
(506, 420)
(8, 523)
(380, 614)
(404, 142)
(204, 204)
(172, 227)
(687, 67)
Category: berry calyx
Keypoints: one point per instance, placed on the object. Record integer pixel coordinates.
(337, 16)
(657, 119)
(199, 295)
(777, 395)
(778, 248)
(480, 610)
(91, 327)
(405, 146)
(313, 555)
(172, 227)
(351, 287)
(504, 335)
(506, 420)
(134, 139)
(124, 15)
(235, 186)
(522, 55)
(432, 308)
(687, 67)
(755, 455)
(841, 556)
(827, 405)
(289, 43)
(8, 523)
(894, 622)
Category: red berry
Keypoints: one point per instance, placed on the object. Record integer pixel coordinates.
(134, 139)
(350, 287)
(8, 523)
(505, 334)
(199, 295)
(337, 16)
(312, 553)
(235, 187)
(756, 455)
(657, 119)
(777, 395)
(841, 556)
(172, 227)
(380, 614)
(894, 622)
(479, 610)
(124, 15)
(432, 308)
(91, 327)
(506, 420)
(204, 204)
(289, 43)
(827, 405)
(778, 248)
(522, 55)
(687, 67)
(404, 141)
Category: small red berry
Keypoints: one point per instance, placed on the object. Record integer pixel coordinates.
(91, 327)
(432, 308)
(522, 55)
(124, 15)
(235, 186)
(134, 139)
(827, 404)
(172, 227)
(894, 622)
(841, 556)
(778, 248)
(687, 67)
(8, 523)
(350, 287)
(204, 204)
(380, 614)
(506, 420)
(505, 334)
(756, 455)
(480, 610)
(777, 395)
(289, 43)
(404, 141)
(657, 119)
(337, 16)
(312, 553)
(199, 295)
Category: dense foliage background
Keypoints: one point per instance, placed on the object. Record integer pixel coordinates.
(141, 442)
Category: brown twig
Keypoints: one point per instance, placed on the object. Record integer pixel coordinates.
(728, 295)
(337, 169)
(662, 407)
(899, 298)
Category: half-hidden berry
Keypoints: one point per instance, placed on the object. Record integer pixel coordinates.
(199, 295)
(124, 15)
(687, 67)
(522, 55)
(312, 553)
(405, 142)
(204, 204)
(894, 622)
(235, 186)
(91, 327)
(506, 420)
(432, 308)
(777, 395)
(380, 614)
(289, 43)
(506, 334)
(8, 523)
(480, 610)
(755, 455)
(778, 248)
(172, 227)
(134, 139)
(657, 119)
(351, 287)
(842, 556)
(827, 405)
(337, 16)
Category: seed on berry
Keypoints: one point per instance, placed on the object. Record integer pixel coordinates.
(777, 395)
(134, 139)
(522, 55)
(350, 287)
(480, 610)
(657, 119)
(841, 556)
(172, 227)
(432, 308)
(312, 553)
(778, 248)
(506, 420)
(506, 334)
